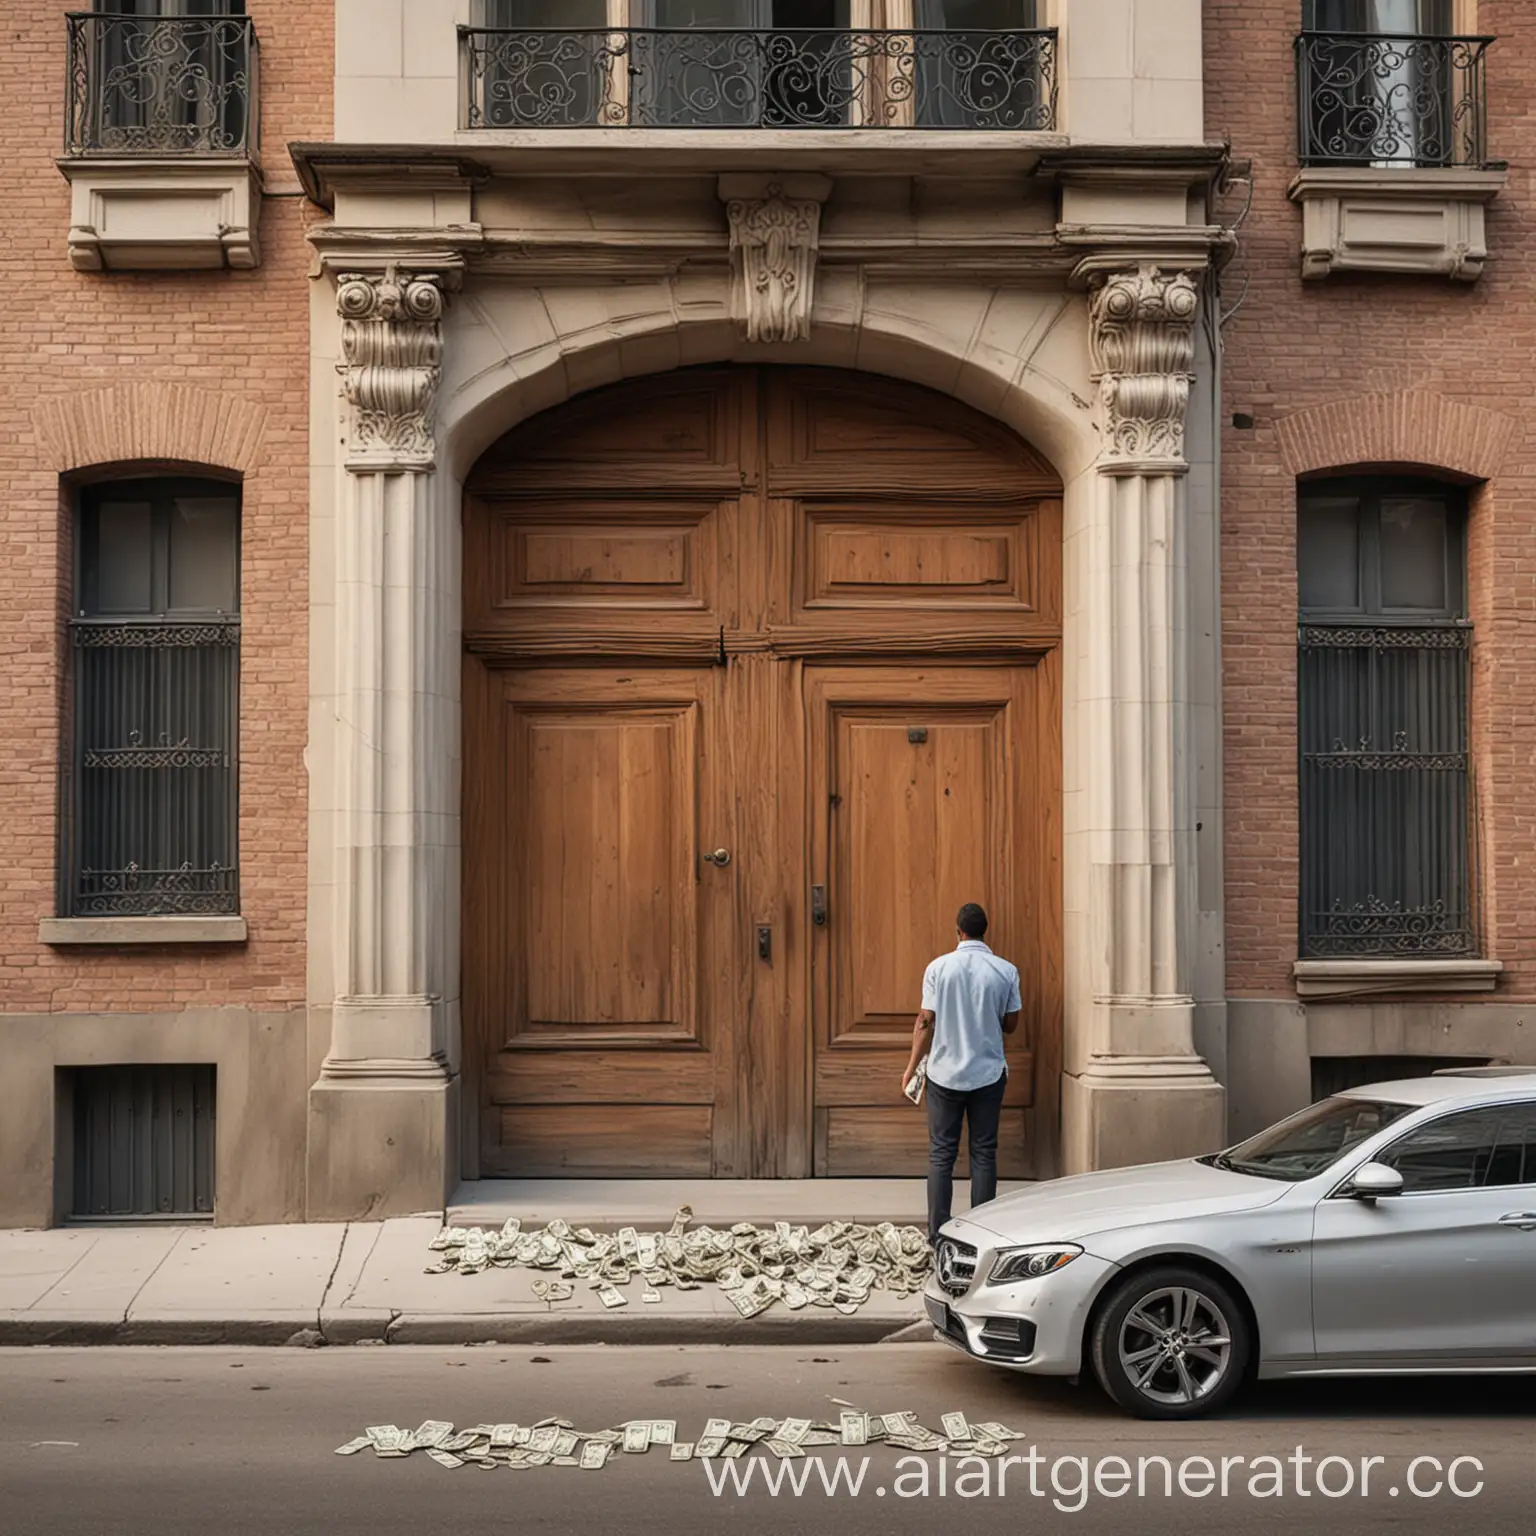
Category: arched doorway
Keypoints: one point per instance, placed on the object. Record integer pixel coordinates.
(761, 682)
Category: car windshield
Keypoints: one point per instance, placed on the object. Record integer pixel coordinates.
(1311, 1141)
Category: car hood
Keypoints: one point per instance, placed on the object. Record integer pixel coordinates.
(1086, 1203)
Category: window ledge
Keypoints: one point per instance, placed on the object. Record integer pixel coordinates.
(1425, 222)
(1351, 978)
(142, 930)
(136, 213)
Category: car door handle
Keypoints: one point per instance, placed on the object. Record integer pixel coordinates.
(1524, 1220)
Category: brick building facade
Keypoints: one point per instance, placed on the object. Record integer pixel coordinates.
(1389, 365)
(121, 377)
(675, 510)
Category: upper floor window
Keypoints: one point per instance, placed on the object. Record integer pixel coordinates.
(1388, 83)
(162, 77)
(980, 64)
(149, 807)
(1382, 714)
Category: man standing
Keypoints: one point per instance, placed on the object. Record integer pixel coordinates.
(970, 1001)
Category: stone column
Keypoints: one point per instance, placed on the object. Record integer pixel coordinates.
(1135, 1089)
(383, 1114)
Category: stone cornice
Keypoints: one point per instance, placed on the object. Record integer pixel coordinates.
(474, 157)
(1072, 254)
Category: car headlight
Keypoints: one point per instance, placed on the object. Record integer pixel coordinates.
(1031, 1263)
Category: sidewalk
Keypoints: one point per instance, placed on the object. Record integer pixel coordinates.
(348, 1283)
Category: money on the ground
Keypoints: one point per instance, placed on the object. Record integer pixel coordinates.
(556, 1441)
(839, 1265)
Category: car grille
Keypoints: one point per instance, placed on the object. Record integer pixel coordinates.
(954, 1265)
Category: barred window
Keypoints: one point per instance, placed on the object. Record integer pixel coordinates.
(1382, 712)
(150, 792)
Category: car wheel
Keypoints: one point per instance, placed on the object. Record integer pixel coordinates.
(1171, 1344)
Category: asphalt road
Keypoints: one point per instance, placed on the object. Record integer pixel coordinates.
(222, 1442)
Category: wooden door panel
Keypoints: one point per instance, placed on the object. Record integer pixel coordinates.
(915, 803)
(611, 942)
(830, 432)
(648, 1077)
(613, 554)
(603, 900)
(896, 557)
(918, 792)
(587, 1140)
(876, 1142)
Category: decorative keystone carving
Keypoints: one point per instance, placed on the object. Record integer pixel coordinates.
(392, 346)
(1142, 340)
(775, 230)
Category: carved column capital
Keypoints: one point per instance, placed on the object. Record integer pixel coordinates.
(1142, 340)
(392, 348)
(775, 224)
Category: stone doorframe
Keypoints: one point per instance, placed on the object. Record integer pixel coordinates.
(421, 361)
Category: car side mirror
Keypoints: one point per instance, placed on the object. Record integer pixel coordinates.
(1373, 1181)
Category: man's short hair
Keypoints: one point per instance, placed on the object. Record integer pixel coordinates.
(972, 921)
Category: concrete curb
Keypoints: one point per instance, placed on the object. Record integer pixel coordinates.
(471, 1328)
(589, 1328)
(169, 1330)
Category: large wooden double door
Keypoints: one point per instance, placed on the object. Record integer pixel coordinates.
(761, 684)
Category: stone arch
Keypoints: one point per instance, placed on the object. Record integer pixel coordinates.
(150, 420)
(1400, 427)
(1000, 381)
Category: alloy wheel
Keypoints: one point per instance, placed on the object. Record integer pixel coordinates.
(1175, 1346)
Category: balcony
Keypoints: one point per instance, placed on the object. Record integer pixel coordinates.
(1391, 101)
(160, 138)
(698, 78)
(1392, 141)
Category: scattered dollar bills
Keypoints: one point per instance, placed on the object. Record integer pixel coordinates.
(838, 1265)
(557, 1442)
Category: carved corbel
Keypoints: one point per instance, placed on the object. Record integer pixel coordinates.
(392, 348)
(1142, 342)
(775, 224)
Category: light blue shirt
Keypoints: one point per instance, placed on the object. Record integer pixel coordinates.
(968, 991)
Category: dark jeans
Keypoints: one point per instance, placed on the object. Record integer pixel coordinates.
(946, 1109)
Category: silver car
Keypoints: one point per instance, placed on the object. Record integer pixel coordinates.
(1391, 1228)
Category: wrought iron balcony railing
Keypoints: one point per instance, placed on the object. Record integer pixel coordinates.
(156, 85)
(1372, 99)
(699, 78)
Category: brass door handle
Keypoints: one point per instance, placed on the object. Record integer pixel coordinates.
(720, 857)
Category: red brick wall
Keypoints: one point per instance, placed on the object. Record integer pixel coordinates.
(1335, 343)
(238, 333)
